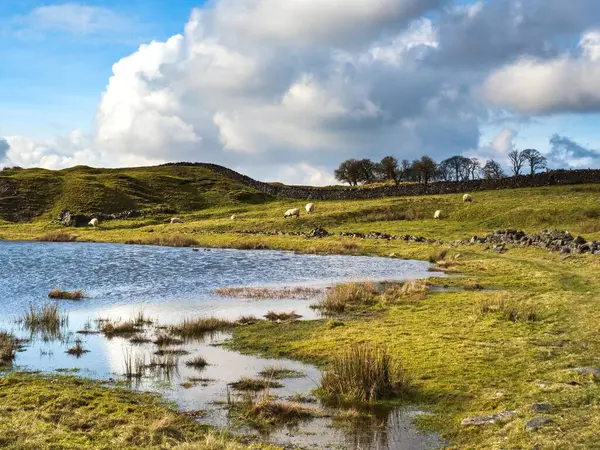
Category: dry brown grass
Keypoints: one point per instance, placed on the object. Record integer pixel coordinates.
(164, 339)
(8, 347)
(168, 240)
(199, 327)
(270, 293)
(66, 295)
(345, 297)
(58, 236)
(509, 309)
(128, 328)
(198, 362)
(282, 316)
(77, 350)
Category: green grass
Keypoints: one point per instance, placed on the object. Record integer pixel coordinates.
(73, 413)
(254, 384)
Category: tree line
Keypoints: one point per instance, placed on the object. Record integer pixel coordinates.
(425, 169)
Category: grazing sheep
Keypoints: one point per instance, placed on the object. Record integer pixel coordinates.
(310, 208)
(233, 217)
(292, 213)
(467, 198)
(176, 220)
(93, 223)
(437, 215)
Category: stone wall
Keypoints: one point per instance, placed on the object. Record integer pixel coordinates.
(551, 178)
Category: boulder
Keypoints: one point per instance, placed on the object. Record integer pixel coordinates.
(537, 423)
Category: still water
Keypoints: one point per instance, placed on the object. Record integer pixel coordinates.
(169, 284)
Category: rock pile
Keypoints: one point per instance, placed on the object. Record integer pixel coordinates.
(554, 240)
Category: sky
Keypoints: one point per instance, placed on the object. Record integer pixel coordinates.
(284, 90)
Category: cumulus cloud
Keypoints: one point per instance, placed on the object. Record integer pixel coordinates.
(72, 18)
(568, 153)
(567, 83)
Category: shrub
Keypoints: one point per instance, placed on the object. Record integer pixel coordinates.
(66, 295)
(363, 372)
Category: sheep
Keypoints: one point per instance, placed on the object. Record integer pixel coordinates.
(233, 217)
(310, 208)
(93, 223)
(467, 198)
(292, 213)
(438, 214)
(176, 220)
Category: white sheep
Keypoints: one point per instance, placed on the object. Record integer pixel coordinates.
(94, 222)
(292, 213)
(467, 198)
(176, 220)
(233, 217)
(437, 214)
(310, 208)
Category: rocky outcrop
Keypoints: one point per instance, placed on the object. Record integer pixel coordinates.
(554, 240)
(69, 219)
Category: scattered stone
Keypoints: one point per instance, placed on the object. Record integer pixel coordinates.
(537, 423)
(318, 233)
(587, 371)
(487, 420)
(542, 407)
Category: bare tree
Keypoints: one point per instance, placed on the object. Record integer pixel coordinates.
(444, 171)
(426, 168)
(492, 170)
(405, 170)
(459, 166)
(516, 160)
(473, 166)
(535, 159)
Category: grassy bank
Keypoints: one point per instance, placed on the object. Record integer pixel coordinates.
(467, 352)
(71, 413)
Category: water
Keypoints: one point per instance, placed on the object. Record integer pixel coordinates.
(169, 284)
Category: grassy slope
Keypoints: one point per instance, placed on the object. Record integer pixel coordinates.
(69, 413)
(463, 364)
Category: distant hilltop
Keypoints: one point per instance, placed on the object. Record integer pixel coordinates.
(29, 193)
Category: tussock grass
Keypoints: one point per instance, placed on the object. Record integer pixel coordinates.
(254, 384)
(248, 320)
(58, 236)
(282, 316)
(167, 240)
(198, 362)
(334, 324)
(280, 373)
(66, 295)
(267, 412)
(406, 292)
(347, 296)
(298, 292)
(142, 320)
(8, 347)
(364, 373)
(509, 309)
(77, 350)
(171, 351)
(439, 256)
(201, 326)
(165, 339)
(46, 319)
(128, 328)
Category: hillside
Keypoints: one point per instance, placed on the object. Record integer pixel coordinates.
(29, 193)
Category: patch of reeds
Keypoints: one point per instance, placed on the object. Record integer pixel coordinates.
(198, 362)
(77, 350)
(8, 347)
(434, 258)
(164, 366)
(58, 236)
(134, 365)
(142, 320)
(110, 329)
(201, 326)
(59, 294)
(297, 292)
(280, 373)
(343, 297)
(364, 373)
(509, 309)
(254, 384)
(282, 316)
(248, 320)
(139, 339)
(167, 240)
(171, 351)
(46, 319)
(164, 339)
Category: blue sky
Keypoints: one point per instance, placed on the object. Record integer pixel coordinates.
(287, 89)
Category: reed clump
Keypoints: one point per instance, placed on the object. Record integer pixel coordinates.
(282, 316)
(46, 319)
(8, 347)
(364, 373)
(128, 328)
(77, 350)
(348, 296)
(58, 236)
(134, 365)
(201, 326)
(198, 362)
(59, 294)
(280, 373)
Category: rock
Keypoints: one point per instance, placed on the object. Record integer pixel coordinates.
(318, 233)
(537, 423)
(542, 407)
(499, 248)
(487, 420)
(579, 240)
(587, 371)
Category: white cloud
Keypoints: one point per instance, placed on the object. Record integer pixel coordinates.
(73, 18)
(563, 84)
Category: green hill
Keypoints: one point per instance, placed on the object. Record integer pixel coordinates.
(29, 193)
